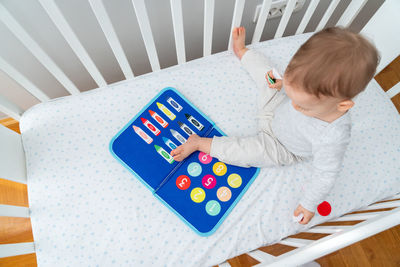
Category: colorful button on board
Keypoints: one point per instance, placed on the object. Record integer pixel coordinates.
(204, 158)
(224, 193)
(213, 207)
(197, 195)
(194, 169)
(183, 182)
(219, 168)
(209, 181)
(234, 180)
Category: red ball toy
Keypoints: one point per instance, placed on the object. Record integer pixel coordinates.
(324, 209)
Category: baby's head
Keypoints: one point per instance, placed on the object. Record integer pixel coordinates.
(328, 70)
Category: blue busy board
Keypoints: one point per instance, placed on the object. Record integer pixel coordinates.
(201, 190)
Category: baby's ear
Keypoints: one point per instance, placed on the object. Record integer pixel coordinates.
(345, 105)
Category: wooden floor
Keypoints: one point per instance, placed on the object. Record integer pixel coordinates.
(380, 250)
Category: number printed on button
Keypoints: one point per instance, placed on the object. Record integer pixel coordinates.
(213, 207)
(209, 181)
(234, 180)
(204, 158)
(194, 169)
(197, 195)
(224, 193)
(219, 168)
(183, 182)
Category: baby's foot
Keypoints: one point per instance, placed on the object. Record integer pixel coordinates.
(182, 151)
(239, 37)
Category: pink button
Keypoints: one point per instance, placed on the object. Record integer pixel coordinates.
(204, 158)
(209, 181)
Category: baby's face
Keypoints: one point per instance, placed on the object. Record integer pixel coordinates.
(309, 104)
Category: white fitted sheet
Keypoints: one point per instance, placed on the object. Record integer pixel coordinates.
(88, 210)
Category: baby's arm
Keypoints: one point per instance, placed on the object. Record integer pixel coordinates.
(253, 151)
(327, 160)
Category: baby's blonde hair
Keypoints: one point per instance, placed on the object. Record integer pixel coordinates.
(333, 62)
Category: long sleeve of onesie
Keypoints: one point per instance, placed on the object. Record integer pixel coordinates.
(261, 150)
(328, 156)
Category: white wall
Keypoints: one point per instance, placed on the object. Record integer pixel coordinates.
(81, 18)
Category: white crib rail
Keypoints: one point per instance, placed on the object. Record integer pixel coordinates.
(65, 29)
(386, 40)
(339, 236)
(208, 26)
(331, 243)
(36, 50)
(147, 34)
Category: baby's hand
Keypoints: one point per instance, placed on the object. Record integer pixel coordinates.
(182, 151)
(278, 82)
(307, 215)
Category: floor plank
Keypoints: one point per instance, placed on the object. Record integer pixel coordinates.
(11, 123)
(15, 230)
(13, 193)
(28, 260)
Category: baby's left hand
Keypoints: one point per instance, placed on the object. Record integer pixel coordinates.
(307, 215)
(278, 82)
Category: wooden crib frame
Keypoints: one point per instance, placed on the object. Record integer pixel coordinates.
(382, 28)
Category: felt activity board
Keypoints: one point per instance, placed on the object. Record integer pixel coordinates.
(201, 190)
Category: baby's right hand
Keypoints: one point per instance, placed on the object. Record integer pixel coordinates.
(183, 151)
(278, 82)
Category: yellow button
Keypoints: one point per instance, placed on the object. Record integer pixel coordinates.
(234, 180)
(197, 195)
(219, 168)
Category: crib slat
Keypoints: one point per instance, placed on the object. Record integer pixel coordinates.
(285, 18)
(109, 32)
(237, 19)
(327, 15)
(9, 250)
(383, 205)
(307, 16)
(327, 229)
(396, 196)
(394, 90)
(63, 26)
(14, 211)
(145, 29)
(36, 50)
(261, 256)
(177, 21)
(351, 12)
(22, 80)
(208, 26)
(266, 6)
(358, 216)
(10, 109)
(295, 242)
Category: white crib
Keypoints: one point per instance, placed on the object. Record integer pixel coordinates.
(383, 28)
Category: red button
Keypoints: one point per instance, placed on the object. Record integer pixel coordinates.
(183, 182)
(324, 209)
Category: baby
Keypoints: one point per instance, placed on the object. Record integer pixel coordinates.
(309, 119)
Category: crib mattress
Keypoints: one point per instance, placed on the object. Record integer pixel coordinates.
(88, 210)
